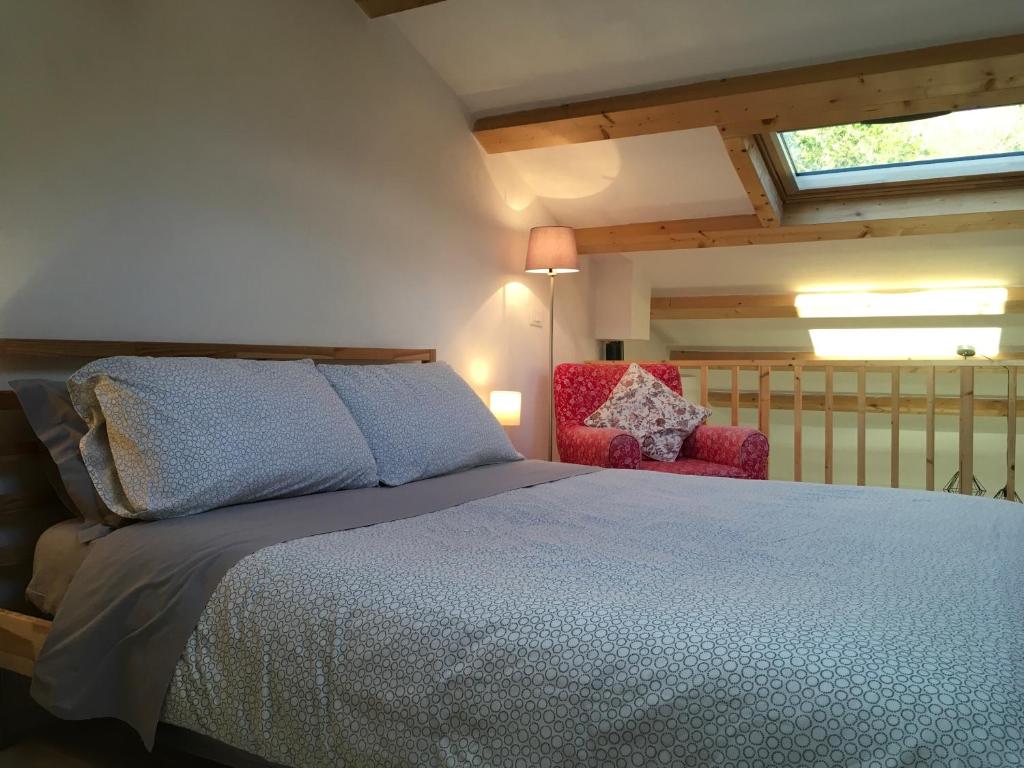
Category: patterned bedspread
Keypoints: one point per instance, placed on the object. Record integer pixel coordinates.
(628, 619)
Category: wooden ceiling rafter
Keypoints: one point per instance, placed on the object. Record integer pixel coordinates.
(756, 178)
(979, 73)
(885, 216)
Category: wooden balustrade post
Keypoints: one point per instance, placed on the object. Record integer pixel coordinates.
(734, 396)
(1011, 432)
(798, 435)
(967, 430)
(828, 425)
(862, 375)
(929, 429)
(894, 430)
(764, 400)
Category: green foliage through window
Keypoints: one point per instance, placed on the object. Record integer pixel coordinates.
(957, 135)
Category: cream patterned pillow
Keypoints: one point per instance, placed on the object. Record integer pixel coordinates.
(645, 407)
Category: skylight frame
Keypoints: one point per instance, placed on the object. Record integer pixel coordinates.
(973, 173)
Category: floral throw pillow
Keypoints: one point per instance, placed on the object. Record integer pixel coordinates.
(645, 407)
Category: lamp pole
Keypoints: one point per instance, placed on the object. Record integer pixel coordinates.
(551, 366)
(551, 250)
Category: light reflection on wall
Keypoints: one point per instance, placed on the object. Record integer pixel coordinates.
(569, 172)
(479, 373)
(515, 294)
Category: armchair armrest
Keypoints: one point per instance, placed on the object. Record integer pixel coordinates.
(598, 447)
(741, 447)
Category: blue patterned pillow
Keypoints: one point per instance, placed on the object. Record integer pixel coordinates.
(420, 420)
(170, 437)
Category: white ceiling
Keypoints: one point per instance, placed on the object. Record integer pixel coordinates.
(499, 55)
(678, 175)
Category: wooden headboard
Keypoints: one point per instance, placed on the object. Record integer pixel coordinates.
(28, 504)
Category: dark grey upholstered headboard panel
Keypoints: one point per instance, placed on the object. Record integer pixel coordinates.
(28, 505)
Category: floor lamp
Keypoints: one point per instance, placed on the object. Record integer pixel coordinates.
(552, 251)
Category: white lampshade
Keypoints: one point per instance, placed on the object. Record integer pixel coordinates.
(506, 407)
(552, 250)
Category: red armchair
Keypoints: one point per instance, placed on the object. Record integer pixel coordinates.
(711, 450)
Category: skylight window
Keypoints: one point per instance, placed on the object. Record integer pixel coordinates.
(955, 144)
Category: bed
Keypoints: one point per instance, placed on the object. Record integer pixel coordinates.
(545, 614)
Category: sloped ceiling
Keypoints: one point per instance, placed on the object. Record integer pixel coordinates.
(504, 55)
(683, 174)
(498, 55)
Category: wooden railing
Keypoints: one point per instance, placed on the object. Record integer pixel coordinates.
(798, 400)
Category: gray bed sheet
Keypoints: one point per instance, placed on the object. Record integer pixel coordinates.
(59, 553)
(137, 597)
(628, 618)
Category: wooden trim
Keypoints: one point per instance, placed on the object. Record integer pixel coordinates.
(993, 407)
(905, 207)
(894, 430)
(1011, 433)
(756, 358)
(967, 431)
(756, 179)
(731, 231)
(662, 235)
(63, 348)
(798, 433)
(829, 425)
(770, 306)
(764, 399)
(981, 73)
(776, 160)
(764, 408)
(21, 640)
(734, 396)
(862, 425)
(777, 305)
(377, 8)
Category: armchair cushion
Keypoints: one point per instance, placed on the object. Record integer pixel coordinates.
(740, 447)
(693, 467)
(645, 407)
(598, 447)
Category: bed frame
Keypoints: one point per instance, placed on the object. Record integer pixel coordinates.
(28, 504)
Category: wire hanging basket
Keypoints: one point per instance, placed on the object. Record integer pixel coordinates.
(953, 486)
(1001, 494)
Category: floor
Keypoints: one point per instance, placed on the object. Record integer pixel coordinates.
(89, 745)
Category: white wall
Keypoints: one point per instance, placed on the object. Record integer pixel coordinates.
(260, 171)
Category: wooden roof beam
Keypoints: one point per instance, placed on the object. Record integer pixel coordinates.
(756, 179)
(981, 73)
(887, 216)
